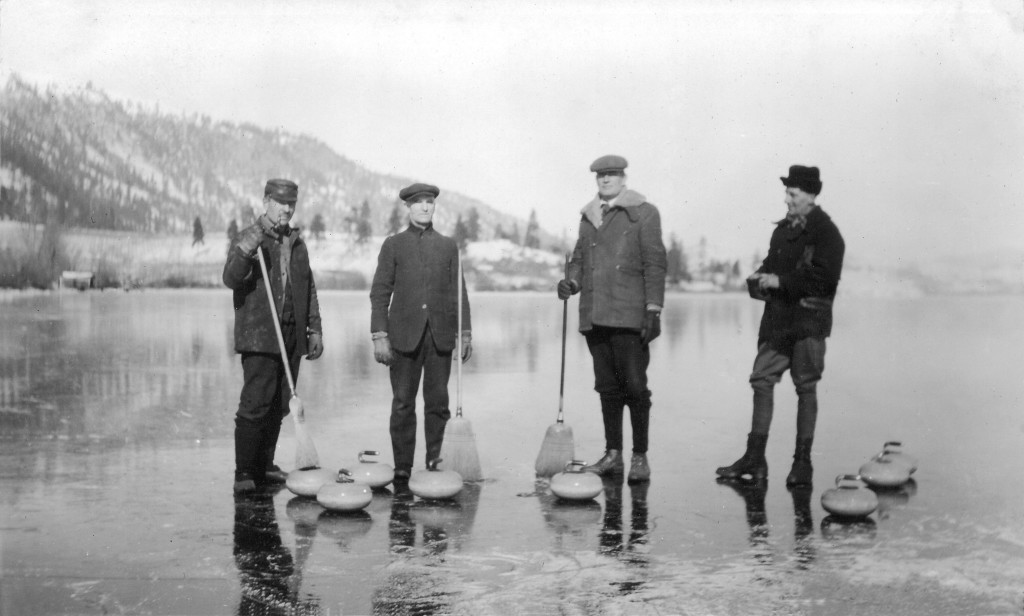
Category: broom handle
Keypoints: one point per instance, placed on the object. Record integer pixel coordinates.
(458, 343)
(277, 325)
(565, 317)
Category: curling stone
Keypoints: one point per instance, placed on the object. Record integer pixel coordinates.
(435, 483)
(894, 449)
(850, 498)
(884, 471)
(308, 481)
(576, 484)
(344, 494)
(371, 472)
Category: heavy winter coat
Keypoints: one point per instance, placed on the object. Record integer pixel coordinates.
(254, 327)
(619, 263)
(415, 284)
(808, 260)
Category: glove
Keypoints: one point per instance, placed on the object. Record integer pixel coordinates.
(315, 345)
(382, 351)
(566, 288)
(467, 346)
(249, 240)
(651, 328)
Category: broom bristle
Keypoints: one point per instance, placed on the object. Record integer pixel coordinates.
(556, 451)
(305, 450)
(458, 450)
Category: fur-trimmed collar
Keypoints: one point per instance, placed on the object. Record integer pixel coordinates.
(627, 199)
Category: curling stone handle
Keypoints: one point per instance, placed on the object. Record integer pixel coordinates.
(432, 465)
(368, 452)
(574, 464)
(345, 476)
(840, 479)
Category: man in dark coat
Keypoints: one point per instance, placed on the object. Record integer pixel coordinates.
(265, 394)
(797, 281)
(618, 267)
(414, 324)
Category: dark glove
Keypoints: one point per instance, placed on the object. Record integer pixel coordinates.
(315, 345)
(249, 240)
(566, 288)
(651, 328)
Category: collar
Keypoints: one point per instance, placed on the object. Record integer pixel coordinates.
(421, 230)
(795, 221)
(628, 198)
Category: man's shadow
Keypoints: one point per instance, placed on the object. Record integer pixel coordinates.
(267, 571)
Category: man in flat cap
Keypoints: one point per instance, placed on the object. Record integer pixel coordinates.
(414, 324)
(618, 267)
(265, 394)
(797, 281)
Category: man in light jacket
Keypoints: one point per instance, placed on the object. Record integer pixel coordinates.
(618, 268)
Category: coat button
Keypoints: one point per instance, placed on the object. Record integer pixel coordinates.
(424, 306)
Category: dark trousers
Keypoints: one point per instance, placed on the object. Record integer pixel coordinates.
(262, 406)
(620, 378)
(805, 363)
(435, 367)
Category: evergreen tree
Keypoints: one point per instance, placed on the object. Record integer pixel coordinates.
(473, 225)
(461, 233)
(531, 239)
(397, 219)
(364, 228)
(676, 261)
(197, 232)
(317, 227)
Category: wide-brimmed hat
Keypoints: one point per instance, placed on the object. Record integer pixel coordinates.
(806, 179)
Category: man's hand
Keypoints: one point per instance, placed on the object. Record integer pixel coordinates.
(249, 240)
(566, 288)
(315, 345)
(382, 351)
(467, 346)
(651, 328)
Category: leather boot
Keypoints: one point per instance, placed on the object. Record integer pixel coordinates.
(610, 464)
(752, 463)
(639, 469)
(802, 471)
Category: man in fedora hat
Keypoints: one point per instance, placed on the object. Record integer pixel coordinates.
(618, 267)
(265, 395)
(797, 281)
(414, 324)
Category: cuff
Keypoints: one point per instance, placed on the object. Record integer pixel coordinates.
(378, 335)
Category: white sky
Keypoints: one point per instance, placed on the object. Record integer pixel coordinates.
(913, 110)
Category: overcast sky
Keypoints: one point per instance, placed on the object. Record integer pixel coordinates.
(914, 111)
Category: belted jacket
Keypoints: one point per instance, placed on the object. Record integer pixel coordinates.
(254, 327)
(808, 259)
(416, 283)
(619, 262)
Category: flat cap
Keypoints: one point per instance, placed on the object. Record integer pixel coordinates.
(610, 162)
(282, 191)
(412, 191)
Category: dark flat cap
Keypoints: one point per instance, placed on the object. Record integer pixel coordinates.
(414, 190)
(282, 191)
(806, 179)
(610, 162)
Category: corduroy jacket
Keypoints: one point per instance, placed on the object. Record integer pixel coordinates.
(808, 261)
(416, 282)
(254, 329)
(619, 263)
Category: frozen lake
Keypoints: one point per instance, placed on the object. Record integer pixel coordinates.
(116, 417)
